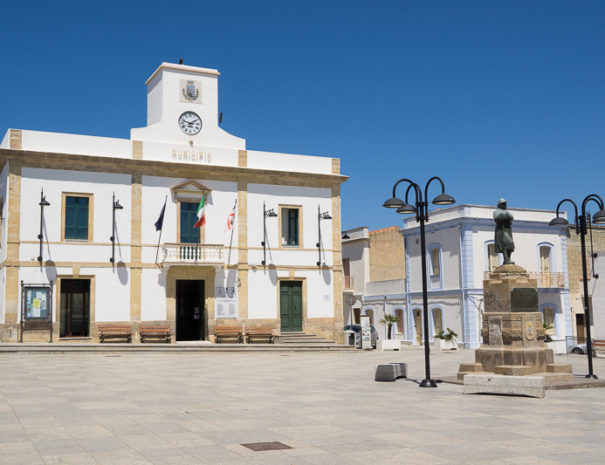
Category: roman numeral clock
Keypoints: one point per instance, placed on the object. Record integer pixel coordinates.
(190, 123)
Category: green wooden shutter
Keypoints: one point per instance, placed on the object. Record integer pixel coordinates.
(189, 234)
(76, 218)
(293, 226)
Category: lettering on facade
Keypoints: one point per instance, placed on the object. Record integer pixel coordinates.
(195, 156)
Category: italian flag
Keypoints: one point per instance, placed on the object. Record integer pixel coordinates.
(201, 213)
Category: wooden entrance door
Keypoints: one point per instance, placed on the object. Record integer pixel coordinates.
(189, 310)
(75, 308)
(290, 306)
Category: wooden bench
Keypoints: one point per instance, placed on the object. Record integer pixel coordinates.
(155, 332)
(114, 332)
(259, 333)
(229, 332)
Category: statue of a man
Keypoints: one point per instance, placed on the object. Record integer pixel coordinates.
(504, 231)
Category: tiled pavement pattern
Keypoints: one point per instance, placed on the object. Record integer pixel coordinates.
(198, 408)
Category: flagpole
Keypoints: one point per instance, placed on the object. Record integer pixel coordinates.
(157, 250)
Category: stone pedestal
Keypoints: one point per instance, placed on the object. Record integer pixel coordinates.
(512, 331)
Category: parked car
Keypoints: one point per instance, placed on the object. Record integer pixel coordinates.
(577, 345)
(357, 330)
(581, 349)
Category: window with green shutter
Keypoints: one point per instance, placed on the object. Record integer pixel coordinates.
(189, 234)
(76, 217)
(290, 226)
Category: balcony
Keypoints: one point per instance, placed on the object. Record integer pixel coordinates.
(545, 280)
(193, 254)
(549, 279)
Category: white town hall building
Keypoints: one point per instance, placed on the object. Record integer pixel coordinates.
(268, 254)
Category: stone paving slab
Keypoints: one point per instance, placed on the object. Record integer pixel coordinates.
(198, 408)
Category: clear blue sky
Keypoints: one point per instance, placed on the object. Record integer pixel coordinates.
(498, 98)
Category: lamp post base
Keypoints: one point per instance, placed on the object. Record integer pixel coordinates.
(592, 376)
(428, 383)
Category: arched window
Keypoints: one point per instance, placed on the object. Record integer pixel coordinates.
(492, 260)
(370, 312)
(418, 325)
(545, 258)
(435, 268)
(437, 320)
(400, 321)
(548, 319)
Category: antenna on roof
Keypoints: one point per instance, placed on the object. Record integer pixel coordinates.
(180, 61)
(220, 117)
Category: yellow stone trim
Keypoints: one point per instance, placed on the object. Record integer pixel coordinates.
(137, 149)
(14, 210)
(16, 139)
(335, 165)
(242, 254)
(293, 248)
(91, 304)
(242, 158)
(300, 227)
(190, 272)
(337, 264)
(11, 310)
(304, 298)
(201, 229)
(58, 161)
(90, 197)
(242, 292)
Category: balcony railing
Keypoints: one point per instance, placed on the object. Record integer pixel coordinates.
(207, 254)
(550, 280)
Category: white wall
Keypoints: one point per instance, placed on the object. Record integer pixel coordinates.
(308, 198)
(263, 292)
(218, 206)
(153, 295)
(54, 183)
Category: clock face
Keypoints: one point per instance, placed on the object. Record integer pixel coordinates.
(190, 123)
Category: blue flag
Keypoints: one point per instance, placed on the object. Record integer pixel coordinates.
(160, 222)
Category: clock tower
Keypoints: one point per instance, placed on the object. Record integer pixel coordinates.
(182, 108)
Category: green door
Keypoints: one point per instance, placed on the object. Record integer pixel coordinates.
(290, 305)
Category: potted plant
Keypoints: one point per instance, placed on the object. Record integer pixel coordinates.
(447, 340)
(389, 319)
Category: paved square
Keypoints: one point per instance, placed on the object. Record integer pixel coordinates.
(170, 408)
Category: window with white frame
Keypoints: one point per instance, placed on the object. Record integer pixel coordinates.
(548, 318)
(437, 320)
(492, 257)
(399, 315)
(435, 262)
(545, 258)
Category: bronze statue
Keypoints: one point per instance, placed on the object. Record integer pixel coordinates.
(504, 231)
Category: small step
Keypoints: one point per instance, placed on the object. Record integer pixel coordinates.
(300, 338)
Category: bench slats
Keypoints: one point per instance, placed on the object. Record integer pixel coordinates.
(114, 331)
(160, 332)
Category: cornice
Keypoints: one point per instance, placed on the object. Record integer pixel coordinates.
(83, 162)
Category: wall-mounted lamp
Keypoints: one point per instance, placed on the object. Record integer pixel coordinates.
(320, 216)
(43, 203)
(115, 206)
(266, 214)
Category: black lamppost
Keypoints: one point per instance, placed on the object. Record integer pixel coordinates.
(320, 216)
(581, 223)
(421, 209)
(115, 206)
(266, 214)
(43, 203)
